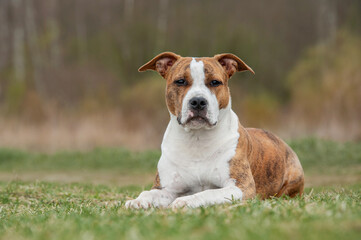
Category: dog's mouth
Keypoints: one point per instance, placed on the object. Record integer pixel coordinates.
(198, 119)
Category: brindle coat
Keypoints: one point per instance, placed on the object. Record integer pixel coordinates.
(263, 164)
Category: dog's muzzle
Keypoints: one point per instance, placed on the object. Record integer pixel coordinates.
(197, 112)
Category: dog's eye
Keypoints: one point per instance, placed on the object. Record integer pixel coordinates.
(181, 82)
(215, 83)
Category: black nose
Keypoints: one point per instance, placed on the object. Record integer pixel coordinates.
(198, 103)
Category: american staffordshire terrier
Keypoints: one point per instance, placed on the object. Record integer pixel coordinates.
(208, 157)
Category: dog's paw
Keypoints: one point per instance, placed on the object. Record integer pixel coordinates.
(187, 201)
(147, 199)
(178, 203)
(138, 203)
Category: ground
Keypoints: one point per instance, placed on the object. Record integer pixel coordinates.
(81, 195)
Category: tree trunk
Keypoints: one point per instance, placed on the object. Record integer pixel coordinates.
(162, 23)
(34, 51)
(18, 41)
(4, 34)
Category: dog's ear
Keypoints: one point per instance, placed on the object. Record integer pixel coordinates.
(231, 63)
(161, 63)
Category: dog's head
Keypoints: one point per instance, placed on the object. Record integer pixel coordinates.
(197, 88)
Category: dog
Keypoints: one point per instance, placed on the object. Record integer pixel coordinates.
(208, 157)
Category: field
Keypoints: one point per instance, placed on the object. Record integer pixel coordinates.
(80, 195)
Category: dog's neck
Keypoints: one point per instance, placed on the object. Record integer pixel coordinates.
(201, 143)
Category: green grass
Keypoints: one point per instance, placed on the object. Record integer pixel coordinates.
(315, 155)
(74, 211)
(54, 210)
(321, 156)
(121, 160)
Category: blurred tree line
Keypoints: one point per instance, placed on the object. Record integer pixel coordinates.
(82, 56)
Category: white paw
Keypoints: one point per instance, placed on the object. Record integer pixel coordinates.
(139, 203)
(187, 201)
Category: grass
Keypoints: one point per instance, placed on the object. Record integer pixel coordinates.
(121, 160)
(315, 155)
(77, 211)
(56, 210)
(321, 156)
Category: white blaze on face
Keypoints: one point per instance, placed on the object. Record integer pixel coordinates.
(199, 89)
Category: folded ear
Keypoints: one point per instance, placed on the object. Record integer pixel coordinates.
(161, 63)
(231, 63)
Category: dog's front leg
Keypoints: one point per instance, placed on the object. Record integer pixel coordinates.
(209, 197)
(152, 198)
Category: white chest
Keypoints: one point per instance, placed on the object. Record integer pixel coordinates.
(195, 161)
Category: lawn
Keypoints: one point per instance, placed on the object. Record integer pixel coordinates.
(85, 200)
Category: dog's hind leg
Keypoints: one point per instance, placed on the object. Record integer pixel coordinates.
(294, 178)
(292, 188)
